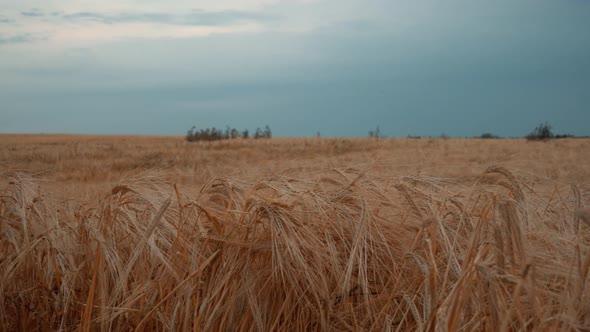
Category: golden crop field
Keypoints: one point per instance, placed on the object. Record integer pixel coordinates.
(119, 233)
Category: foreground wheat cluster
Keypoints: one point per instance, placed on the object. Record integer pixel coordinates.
(344, 251)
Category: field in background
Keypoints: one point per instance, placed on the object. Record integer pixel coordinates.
(93, 163)
(121, 232)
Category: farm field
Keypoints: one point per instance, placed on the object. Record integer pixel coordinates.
(119, 233)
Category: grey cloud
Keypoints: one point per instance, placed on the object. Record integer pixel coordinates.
(20, 39)
(33, 13)
(196, 18)
(6, 20)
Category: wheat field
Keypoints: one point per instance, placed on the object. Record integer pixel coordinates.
(120, 233)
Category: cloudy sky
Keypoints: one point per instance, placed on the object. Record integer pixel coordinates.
(340, 67)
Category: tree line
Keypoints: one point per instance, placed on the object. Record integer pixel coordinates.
(541, 133)
(214, 134)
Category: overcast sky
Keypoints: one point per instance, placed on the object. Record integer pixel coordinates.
(340, 67)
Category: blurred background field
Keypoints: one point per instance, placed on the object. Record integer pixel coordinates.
(73, 163)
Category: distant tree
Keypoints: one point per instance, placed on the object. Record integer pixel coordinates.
(541, 132)
(267, 133)
(375, 133)
(488, 136)
(214, 134)
(190, 135)
(258, 133)
(234, 133)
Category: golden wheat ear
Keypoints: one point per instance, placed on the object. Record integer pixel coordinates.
(584, 214)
